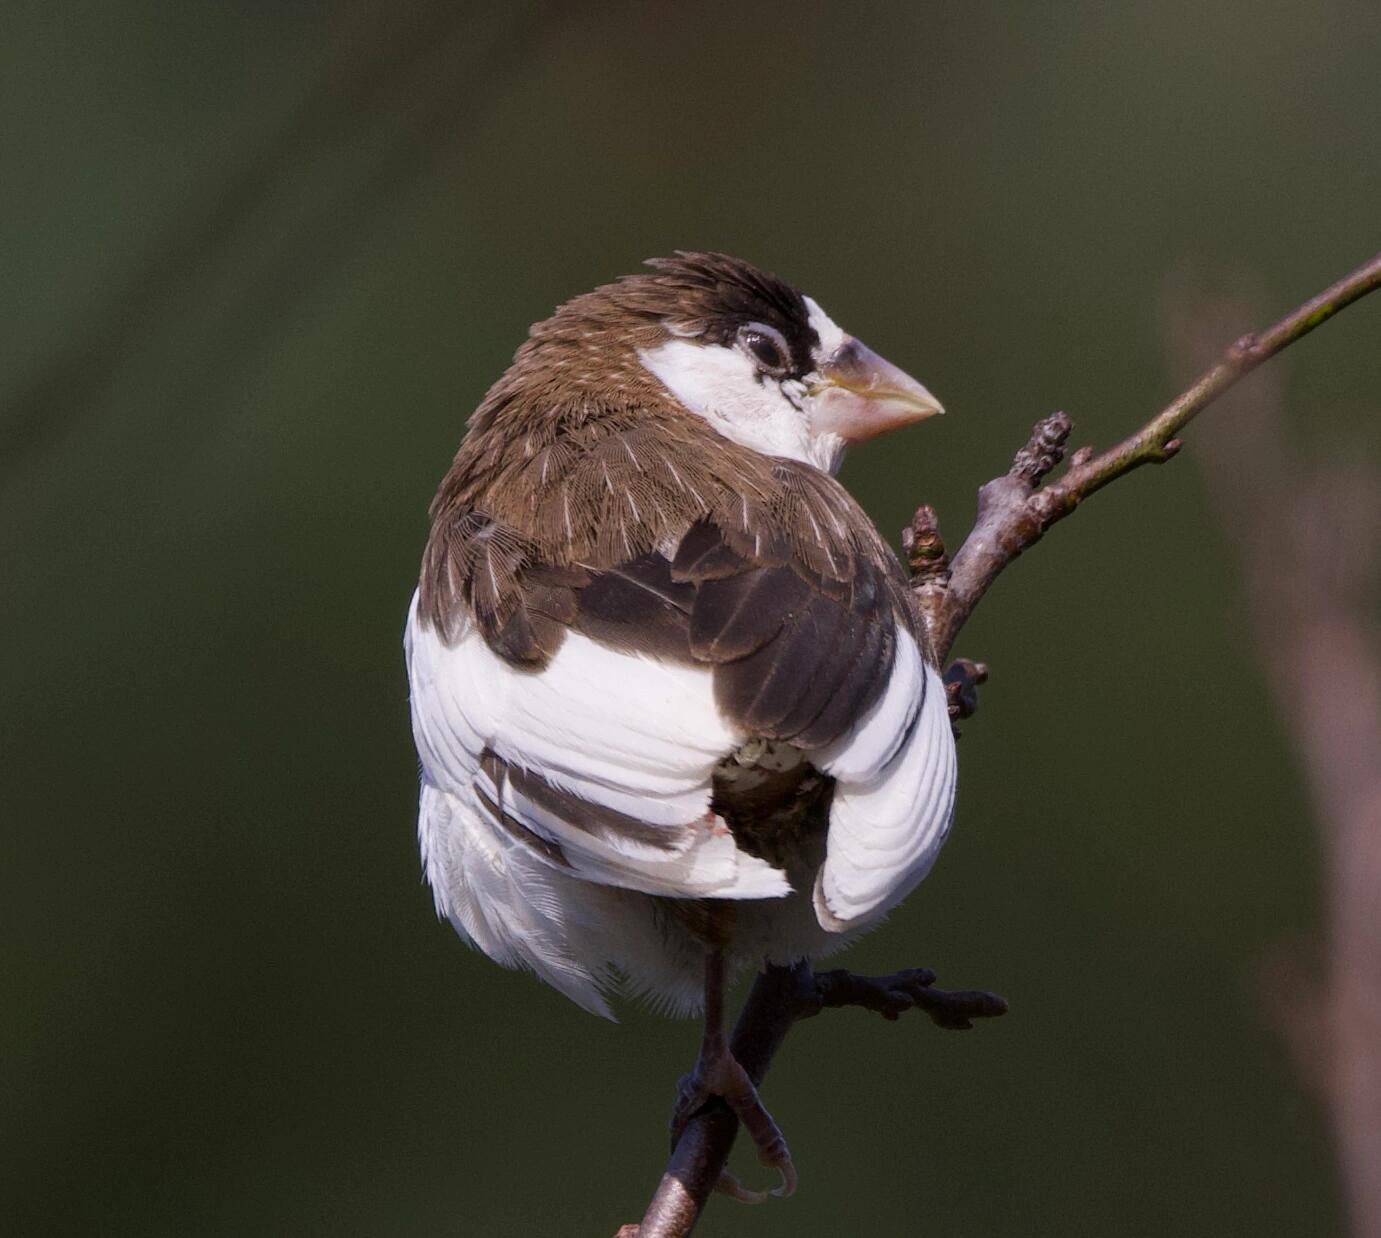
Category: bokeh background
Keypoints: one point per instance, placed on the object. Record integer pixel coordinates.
(260, 261)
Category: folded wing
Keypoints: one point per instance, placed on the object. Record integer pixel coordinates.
(577, 712)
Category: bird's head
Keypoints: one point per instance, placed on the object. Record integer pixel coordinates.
(758, 360)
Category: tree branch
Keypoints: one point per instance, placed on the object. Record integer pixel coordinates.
(1014, 511)
(779, 997)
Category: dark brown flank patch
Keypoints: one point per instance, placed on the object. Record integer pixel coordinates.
(593, 819)
(498, 771)
(777, 814)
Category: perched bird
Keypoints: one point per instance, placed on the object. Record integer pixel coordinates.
(674, 704)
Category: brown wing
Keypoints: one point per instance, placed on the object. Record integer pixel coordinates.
(796, 655)
(652, 533)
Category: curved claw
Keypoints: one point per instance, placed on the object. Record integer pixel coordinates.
(718, 1074)
(734, 1189)
(789, 1180)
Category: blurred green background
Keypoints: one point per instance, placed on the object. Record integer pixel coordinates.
(260, 260)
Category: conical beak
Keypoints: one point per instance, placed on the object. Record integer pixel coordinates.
(861, 395)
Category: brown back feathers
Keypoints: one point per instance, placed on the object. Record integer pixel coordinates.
(585, 498)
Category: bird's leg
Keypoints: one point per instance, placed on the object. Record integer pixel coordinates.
(717, 1073)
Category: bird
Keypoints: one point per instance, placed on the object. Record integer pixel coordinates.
(676, 711)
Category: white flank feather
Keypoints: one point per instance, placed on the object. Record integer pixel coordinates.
(894, 798)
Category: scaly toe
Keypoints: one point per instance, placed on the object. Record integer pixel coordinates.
(718, 1074)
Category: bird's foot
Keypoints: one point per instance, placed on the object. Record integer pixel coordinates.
(962, 681)
(717, 1074)
(890, 996)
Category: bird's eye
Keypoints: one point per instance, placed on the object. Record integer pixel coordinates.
(766, 346)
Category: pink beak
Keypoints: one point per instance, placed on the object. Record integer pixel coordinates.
(861, 395)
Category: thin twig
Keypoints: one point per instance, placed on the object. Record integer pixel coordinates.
(1013, 513)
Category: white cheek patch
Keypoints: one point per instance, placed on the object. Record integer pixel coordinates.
(722, 386)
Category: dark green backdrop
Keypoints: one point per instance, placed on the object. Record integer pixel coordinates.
(260, 260)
